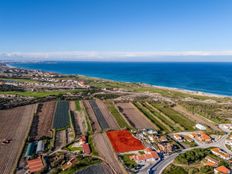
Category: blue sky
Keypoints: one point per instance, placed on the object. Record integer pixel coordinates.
(115, 25)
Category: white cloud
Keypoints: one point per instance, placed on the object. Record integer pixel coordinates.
(120, 56)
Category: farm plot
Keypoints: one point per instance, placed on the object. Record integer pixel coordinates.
(106, 151)
(107, 115)
(123, 141)
(61, 118)
(74, 116)
(122, 122)
(97, 169)
(75, 121)
(15, 125)
(134, 116)
(100, 118)
(186, 123)
(61, 139)
(45, 119)
(94, 123)
(165, 119)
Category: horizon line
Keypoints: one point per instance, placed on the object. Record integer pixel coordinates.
(120, 56)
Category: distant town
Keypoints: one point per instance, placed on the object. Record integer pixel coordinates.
(54, 123)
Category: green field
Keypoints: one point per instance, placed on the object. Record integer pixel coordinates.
(164, 118)
(175, 116)
(39, 94)
(118, 117)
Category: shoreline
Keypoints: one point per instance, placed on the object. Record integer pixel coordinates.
(187, 91)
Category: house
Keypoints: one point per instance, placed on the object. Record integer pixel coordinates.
(86, 148)
(209, 161)
(220, 153)
(69, 164)
(200, 126)
(203, 137)
(35, 165)
(188, 138)
(222, 170)
(229, 142)
(40, 147)
(148, 156)
(178, 137)
(82, 140)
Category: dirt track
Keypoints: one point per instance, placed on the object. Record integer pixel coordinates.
(134, 116)
(15, 125)
(106, 151)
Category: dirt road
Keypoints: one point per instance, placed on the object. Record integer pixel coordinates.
(106, 151)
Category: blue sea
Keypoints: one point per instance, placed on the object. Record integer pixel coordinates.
(213, 78)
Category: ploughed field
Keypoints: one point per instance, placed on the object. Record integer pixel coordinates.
(61, 118)
(42, 122)
(123, 141)
(15, 125)
(134, 116)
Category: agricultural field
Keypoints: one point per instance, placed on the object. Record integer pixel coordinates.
(106, 151)
(97, 169)
(100, 118)
(93, 120)
(162, 121)
(45, 117)
(123, 141)
(181, 120)
(61, 118)
(217, 113)
(122, 122)
(107, 115)
(15, 125)
(134, 116)
(75, 120)
(61, 139)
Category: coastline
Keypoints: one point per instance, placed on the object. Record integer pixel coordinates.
(187, 91)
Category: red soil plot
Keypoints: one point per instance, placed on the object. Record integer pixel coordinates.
(123, 141)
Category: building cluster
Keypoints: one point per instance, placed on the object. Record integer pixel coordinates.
(198, 136)
(33, 156)
(215, 162)
(148, 155)
(161, 143)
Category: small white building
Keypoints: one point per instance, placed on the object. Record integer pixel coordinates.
(200, 126)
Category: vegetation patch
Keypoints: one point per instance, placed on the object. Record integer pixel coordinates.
(118, 117)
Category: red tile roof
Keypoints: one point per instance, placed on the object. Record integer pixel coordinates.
(35, 165)
(223, 169)
(86, 148)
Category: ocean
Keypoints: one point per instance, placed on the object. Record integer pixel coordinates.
(213, 78)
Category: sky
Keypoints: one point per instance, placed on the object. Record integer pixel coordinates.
(108, 27)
